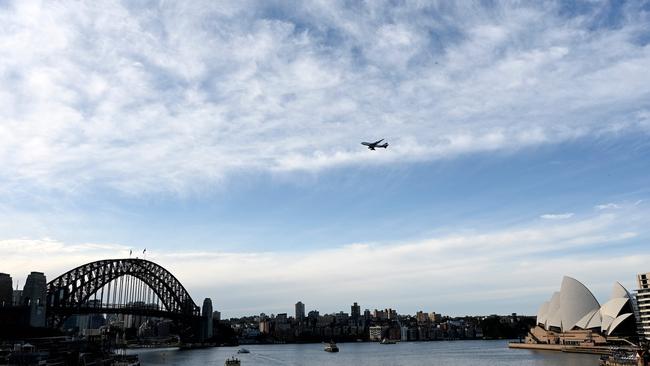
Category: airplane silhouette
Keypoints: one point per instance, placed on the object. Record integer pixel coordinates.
(373, 145)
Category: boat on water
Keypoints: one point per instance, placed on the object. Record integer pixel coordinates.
(331, 347)
(387, 341)
(233, 361)
(243, 350)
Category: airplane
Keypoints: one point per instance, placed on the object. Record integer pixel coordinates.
(373, 145)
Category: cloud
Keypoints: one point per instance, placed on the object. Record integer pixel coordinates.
(607, 206)
(561, 216)
(179, 97)
(517, 268)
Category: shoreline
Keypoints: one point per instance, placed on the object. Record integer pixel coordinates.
(595, 350)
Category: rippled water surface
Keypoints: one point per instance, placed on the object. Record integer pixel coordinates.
(464, 353)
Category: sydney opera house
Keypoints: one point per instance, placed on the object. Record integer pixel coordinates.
(573, 316)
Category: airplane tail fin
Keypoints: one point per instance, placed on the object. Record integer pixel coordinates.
(385, 145)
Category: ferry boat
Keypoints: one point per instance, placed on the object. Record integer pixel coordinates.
(243, 350)
(232, 362)
(331, 347)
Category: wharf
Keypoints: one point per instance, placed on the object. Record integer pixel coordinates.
(596, 350)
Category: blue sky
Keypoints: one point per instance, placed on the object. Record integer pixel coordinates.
(224, 138)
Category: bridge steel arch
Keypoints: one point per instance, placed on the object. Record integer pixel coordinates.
(73, 289)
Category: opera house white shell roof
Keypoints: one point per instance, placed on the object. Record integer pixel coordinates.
(575, 307)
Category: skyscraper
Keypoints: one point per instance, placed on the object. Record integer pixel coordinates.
(207, 317)
(355, 312)
(643, 305)
(300, 311)
(6, 290)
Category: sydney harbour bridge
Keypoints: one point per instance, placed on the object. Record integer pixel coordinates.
(122, 286)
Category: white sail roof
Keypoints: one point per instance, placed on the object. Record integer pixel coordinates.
(613, 307)
(607, 321)
(620, 319)
(576, 301)
(553, 316)
(541, 313)
(619, 291)
(584, 322)
(595, 322)
(574, 306)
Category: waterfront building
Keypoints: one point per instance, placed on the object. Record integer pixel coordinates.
(394, 333)
(33, 295)
(643, 305)
(216, 316)
(300, 311)
(404, 333)
(6, 290)
(377, 332)
(573, 316)
(265, 326)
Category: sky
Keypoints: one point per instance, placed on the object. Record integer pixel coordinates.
(224, 137)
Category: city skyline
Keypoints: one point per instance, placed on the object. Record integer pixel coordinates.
(225, 140)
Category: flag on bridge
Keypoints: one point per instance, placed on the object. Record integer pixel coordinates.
(144, 251)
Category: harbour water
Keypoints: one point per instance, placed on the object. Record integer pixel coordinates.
(462, 353)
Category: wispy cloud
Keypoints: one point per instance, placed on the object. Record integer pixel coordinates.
(178, 96)
(607, 206)
(561, 216)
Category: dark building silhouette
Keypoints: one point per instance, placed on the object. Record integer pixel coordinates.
(33, 296)
(207, 318)
(6, 290)
(300, 311)
(355, 312)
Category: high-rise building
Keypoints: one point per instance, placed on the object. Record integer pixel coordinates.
(435, 317)
(216, 316)
(355, 312)
(341, 318)
(643, 305)
(300, 311)
(281, 318)
(391, 314)
(6, 290)
(33, 296)
(421, 317)
(207, 318)
(366, 314)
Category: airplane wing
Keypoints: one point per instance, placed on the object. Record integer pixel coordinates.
(377, 142)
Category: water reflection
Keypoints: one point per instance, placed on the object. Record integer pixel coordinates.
(469, 353)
